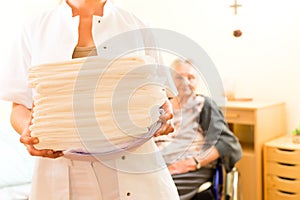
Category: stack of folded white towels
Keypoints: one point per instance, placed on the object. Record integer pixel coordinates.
(94, 102)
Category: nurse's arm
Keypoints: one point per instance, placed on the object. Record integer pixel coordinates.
(20, 119)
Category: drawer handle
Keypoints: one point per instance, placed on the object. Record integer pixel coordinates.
(288, 150)
(286, 192)
(285, 178)
(286, 164)
(233, 115)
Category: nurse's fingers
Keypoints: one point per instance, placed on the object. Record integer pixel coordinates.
(43, 153)
(26, 137)
(165, 117)
(165, 129)
(28, 140)
(167, 112)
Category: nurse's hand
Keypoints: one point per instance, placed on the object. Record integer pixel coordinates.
(29, 141)
(167, 125)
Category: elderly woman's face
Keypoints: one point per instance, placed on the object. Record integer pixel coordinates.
(185, 78)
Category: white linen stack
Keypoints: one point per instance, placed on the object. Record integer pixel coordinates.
(94, 103)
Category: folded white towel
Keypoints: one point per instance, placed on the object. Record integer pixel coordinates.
(94, 103)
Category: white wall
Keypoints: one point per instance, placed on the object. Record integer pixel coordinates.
(264, 63)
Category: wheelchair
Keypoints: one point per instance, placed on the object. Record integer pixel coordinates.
(225, 186)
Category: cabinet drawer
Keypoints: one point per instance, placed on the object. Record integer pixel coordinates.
(239, 116)
(283, 170)
(273, 194)
(291, 185)
(283, 155)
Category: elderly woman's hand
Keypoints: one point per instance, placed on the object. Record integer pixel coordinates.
(167, 125)
(182, 166)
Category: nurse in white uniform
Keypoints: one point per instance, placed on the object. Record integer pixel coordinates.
(74, 29)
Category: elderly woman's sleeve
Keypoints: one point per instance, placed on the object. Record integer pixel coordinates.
(218, 134)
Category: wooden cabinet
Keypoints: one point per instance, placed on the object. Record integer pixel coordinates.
(282, 169)
(254, 123)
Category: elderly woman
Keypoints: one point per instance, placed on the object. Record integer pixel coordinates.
(201, 137)
(76, 28)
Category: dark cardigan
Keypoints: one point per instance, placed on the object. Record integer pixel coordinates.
(217, 133)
